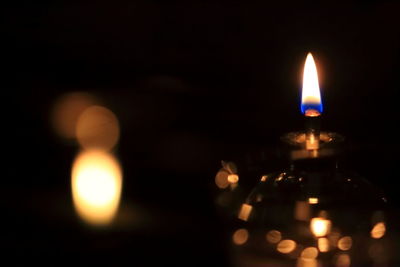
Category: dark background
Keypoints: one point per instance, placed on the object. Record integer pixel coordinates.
(192, 82)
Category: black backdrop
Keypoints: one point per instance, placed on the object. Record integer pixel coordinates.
(192, 82)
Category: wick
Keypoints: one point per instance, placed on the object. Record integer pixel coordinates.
(312, 129)
(312, 113)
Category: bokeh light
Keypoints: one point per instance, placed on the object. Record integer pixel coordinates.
(320, 226)
(286, 246)
(67, 110)
(323, 244)
(309, 253)
(313, 200)
(97, 127)
(240, 236)
(233, 178)
(221, 179)
(378, 231)
(245, 211)
(96, 182)
(274, 236)
(345, 243)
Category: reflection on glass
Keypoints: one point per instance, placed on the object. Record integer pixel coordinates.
(312, 143)
(96, 182)
(320, 226)
(378, 231)
(240, 236)
(97, 127)
(345, 243)
(286, 246)
(274, 236)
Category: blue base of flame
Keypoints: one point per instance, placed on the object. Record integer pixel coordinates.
(317, 107)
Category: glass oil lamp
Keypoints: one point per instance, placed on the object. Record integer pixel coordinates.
(313, 212)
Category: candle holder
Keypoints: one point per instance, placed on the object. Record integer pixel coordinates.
(311, 213)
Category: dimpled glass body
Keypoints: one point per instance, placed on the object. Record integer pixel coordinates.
(312, 214)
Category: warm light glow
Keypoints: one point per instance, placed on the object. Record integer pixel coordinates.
(334, 237)
(378, 231)
(345, 243)
(274, 236)
(302, 211)
(313, 200)
(240, 236)
(343, 260)
(302, 262)
(97, 127)
(323, 244)
(233, 178)
(311, 104)
(221, 179)
(96, 182)
(286, 246)
(323, 214)
(245, 211)
(229, 166)
(67, 110)
(309, 253)
(320, 226)
(312, 143)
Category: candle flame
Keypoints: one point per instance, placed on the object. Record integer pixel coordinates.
(311, 104)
